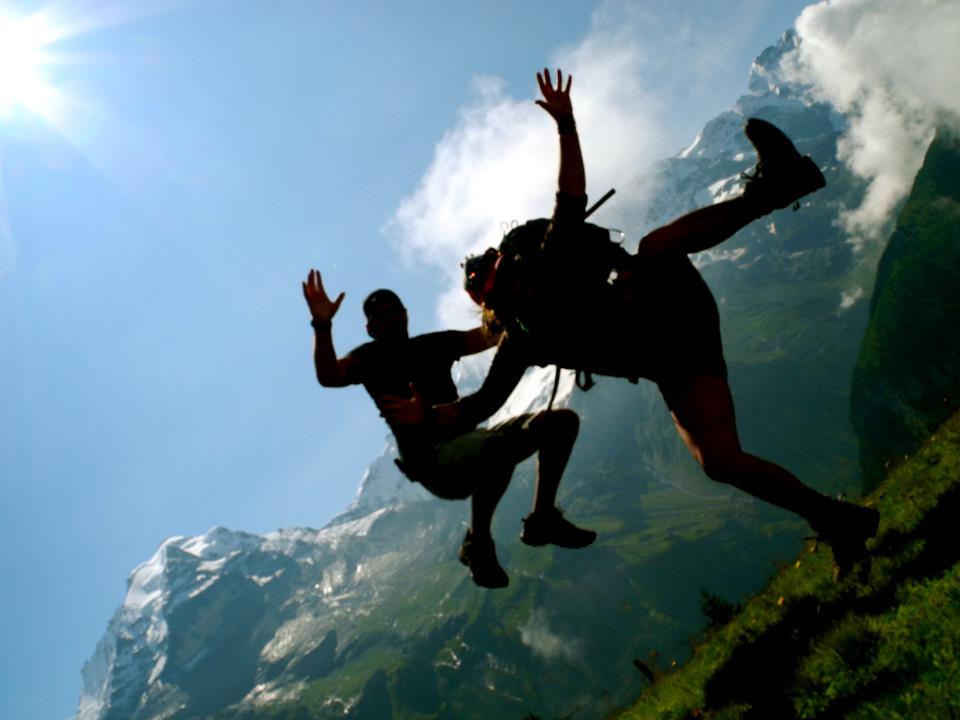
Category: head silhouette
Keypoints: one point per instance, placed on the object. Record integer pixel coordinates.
(386, 315)
(479, 272)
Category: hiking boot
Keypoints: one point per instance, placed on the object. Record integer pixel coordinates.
(846, 531)
(782, 176)
(549, 527)
(481, 557)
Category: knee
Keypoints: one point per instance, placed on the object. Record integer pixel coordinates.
(720, 464)
(563, 423)
(568, 423)
(498, 480)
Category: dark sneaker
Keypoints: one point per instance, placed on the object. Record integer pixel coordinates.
(481, 557)
(782, 176)
(549, 527)
(846, 532)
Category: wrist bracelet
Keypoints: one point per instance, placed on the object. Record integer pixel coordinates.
(320, 324)
(566, 125)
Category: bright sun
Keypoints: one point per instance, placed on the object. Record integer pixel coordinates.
(22, 60)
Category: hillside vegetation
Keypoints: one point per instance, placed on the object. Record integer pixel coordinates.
(882, 643)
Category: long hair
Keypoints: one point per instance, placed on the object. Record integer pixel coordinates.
(492, 327)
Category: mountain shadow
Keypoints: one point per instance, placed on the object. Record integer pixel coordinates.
(907, 379)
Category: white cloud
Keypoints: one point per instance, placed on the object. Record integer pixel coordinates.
(537, 635)
(892, 66)
(848, 298)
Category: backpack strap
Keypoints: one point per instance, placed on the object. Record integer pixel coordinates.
(556, 382)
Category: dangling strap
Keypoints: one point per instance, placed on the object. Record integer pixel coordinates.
(553, 393)
(587, 382)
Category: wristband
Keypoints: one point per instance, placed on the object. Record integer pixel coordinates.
(566, 125)
(320, 324)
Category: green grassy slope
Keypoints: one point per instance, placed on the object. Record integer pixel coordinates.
(882, 643)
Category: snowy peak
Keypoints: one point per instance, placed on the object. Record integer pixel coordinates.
(766, 73)
(207, 553)
(182, 607)
(772, 96)
(382, 485)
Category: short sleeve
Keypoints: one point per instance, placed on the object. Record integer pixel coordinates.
(357, 369)
(448, 344)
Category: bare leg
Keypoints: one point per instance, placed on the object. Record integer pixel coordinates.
(484, 501)
(551, 434)
(705, 420)
(558, 430)
(701, 229)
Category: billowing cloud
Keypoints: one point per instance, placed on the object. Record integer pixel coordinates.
(849, 298)
(537, 635)
(891, 66)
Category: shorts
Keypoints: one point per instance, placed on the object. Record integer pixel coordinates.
(701, 355)
(686, 340)
(456, 467)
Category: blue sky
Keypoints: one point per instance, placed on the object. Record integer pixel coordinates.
(155, 375)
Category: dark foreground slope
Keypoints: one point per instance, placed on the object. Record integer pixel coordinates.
(883, 644)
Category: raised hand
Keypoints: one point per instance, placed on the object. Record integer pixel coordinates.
(556, 101)
(321, 308)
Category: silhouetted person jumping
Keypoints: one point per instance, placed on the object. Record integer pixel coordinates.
(548, 288)
(452, 461)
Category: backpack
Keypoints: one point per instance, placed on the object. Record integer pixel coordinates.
(588, 265)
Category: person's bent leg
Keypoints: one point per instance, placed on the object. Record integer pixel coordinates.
(458, 470)
(705, 419)
(478, 551)
(489, 489)
(701, 229)
(551, 434)
(782, 176)
(557, 431)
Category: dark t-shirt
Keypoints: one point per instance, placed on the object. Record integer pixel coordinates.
(388, 367)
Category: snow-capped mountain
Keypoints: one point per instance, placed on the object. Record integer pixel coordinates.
(372, 616)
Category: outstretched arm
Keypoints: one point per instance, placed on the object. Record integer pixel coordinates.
(556, 101)
(331, 371)
(507, 369)
(478, 340)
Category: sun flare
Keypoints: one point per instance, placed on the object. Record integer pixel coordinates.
(24, 60)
